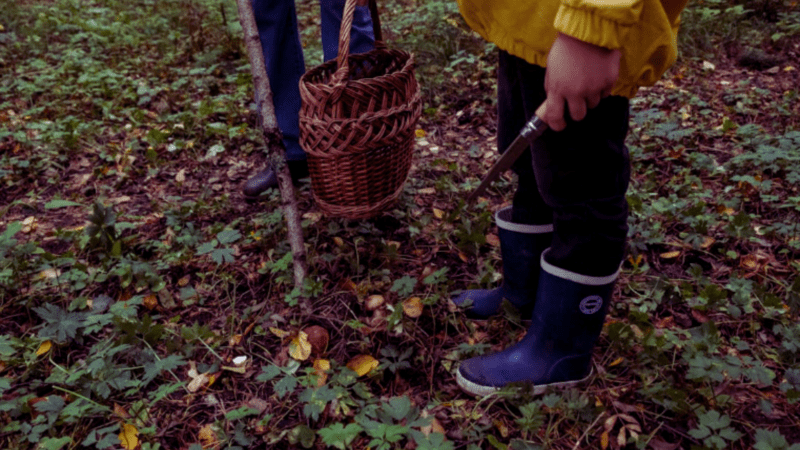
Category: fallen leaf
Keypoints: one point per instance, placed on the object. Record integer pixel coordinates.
(749, 262)
(362, 364)
(493, 240)
(321, 368)
(150, 301)
(338, 241)
(299, 347)
(413, 307)
(374, 302)
(44, 347)
(616, 362)
(120, 412)
(180, 177)
(438, 213)
(671, 255)
(501, 427)
(313, 217)
(183, 281)
(235, 340)
(278, 332)
(604, 440)
(129, 437)
(198, 382)
(208, 436)
(420, 133)
(258, 404)
(29, 224)
(707, 242)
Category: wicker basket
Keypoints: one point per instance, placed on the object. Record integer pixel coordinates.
(357, 123)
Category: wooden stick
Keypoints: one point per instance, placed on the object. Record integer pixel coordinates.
(273, 139)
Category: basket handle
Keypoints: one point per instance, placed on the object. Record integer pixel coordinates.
(344, 36)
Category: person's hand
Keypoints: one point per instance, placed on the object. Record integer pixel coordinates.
(578, 75)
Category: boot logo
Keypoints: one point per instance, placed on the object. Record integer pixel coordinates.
(591, 304)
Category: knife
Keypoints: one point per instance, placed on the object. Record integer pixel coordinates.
(530, 132)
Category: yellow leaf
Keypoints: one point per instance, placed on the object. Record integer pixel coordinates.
(501, 427)
(129, 437)
(151, 301)
(208, 436)
(671, 255)
(362, 364)
(278, 332)
(235, 340)
(616, 362)
(321, 368)
(413, 307)
(420, 133)
(183, 281)
(635, 261)
(44, 347)
(493, 240)
(463, 257)
(707, 241)
(338, 241)
(749, 262)
(604, 440)
(300, 348)
(438, 213)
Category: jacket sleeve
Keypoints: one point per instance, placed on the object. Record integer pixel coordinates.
(604, 23)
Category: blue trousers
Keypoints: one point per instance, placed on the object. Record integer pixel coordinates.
(277, 27)
(575, 179)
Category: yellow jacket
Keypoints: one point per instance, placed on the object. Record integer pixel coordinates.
(645, 31)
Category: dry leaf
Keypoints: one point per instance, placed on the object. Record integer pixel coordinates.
(749, 262)
(278, 332)
(198, 382)
(120, 412)
(616, 362)
(180, 177)
(671, 255)
(313, 217)
(707, 242)
(129, 437)
(208, 437)
(501, 427)
(420, 133)
(44, 347)
(235, 340)
(604, 440)
(362, 364)
(463, 257)
(150, 301)
(321, 368)
(29, 224)
(413, 307)
(338, 241)
(300, 348)
(493, 240)
(258, 404)
(438, 213)
(183, 281)
(374, 302)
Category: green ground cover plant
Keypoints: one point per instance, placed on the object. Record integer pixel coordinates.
(144, 304)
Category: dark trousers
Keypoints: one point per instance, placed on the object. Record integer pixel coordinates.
(575, 179)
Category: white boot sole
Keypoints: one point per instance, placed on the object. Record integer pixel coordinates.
(482, 391)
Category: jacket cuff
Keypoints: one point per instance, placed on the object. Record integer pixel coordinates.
(588, 25)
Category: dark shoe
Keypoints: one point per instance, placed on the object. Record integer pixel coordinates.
(521, 246)
(266, 179)
(556, 352)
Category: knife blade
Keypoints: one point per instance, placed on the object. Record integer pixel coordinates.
(529, 133)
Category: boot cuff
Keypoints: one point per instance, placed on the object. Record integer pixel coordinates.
(576, 277)
(503, 219)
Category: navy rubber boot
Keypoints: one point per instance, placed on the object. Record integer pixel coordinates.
(521, 246)
(556, 351)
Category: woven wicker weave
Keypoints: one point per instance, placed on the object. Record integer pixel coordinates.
(357, 123)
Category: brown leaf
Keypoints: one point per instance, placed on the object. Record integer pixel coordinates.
(493, 240)
(150, 301)
(120, 412)
(208, 436)
(321, 368)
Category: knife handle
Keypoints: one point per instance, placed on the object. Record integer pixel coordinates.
(533, 129)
